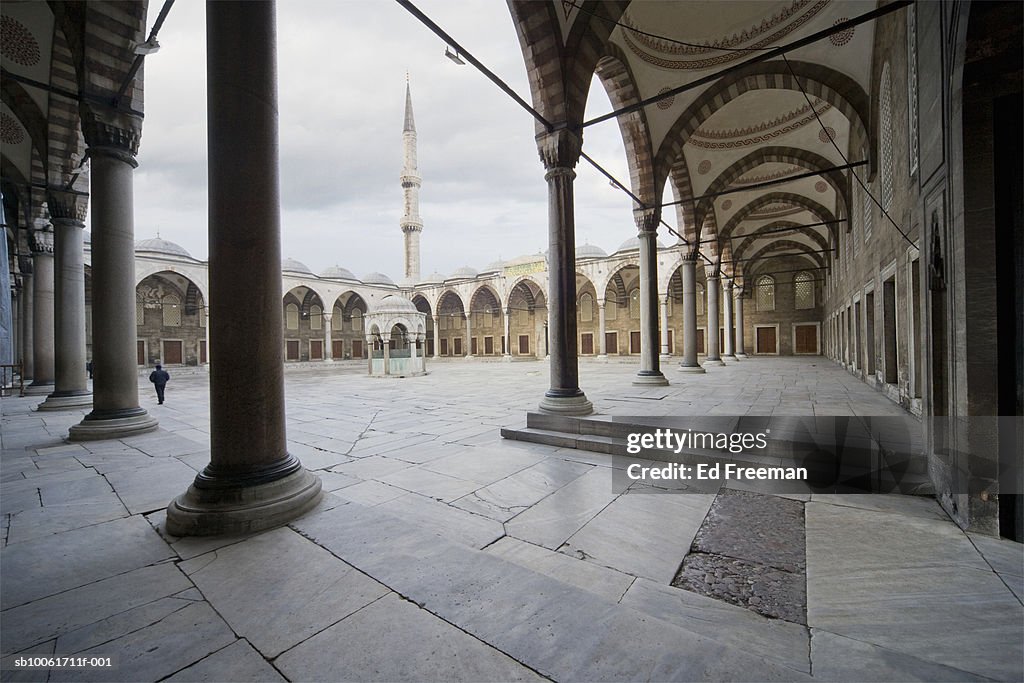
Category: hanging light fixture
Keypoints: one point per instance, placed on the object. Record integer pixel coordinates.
(454, 56)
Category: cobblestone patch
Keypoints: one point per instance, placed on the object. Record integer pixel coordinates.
(750, 551)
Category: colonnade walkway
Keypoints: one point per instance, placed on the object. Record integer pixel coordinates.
(442, 552)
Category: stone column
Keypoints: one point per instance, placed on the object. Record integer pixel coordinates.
(71, 389)
(369, 354)
(688, 274)
(328, 351)
(602, 342)
(508, 334)
(437, 336)
(385, 341)
(252, 482)
(27, 317)
(559, 151)
(650, 362)
(113, 141)
(713, 289)
(738, 312)
(727, 320)
(469, 334)
(423, 338)
(42, 314)
(665, 355)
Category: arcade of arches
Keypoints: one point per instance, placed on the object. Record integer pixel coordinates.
(855, 196)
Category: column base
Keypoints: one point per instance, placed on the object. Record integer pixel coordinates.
(601, 356)
(713, 362)
(729, 358)
(66, 401)
(566, 405)
(211, 512)
(694, 369)
(506, 357)
(650, 378)
(116, 426)
(741, 355)
(40, 389)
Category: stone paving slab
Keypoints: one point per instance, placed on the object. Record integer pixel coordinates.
(238, 663)
(370, 492)
(152, 487)
(362, 647)
(510, 496)
(278, 589)
(52, 519)
(450, 522)
(430, 484)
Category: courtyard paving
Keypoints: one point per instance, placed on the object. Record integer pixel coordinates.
(443, 552)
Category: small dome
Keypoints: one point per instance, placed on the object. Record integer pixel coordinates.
(495, 267)
(377, 279)
(159, 246)
(527, 258)
(590, 251)
(291, 265)
(434, 278)
(339, 273)
(393, 303)
(463, 272)
(633, 244)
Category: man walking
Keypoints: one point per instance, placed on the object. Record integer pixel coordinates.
(159, 377)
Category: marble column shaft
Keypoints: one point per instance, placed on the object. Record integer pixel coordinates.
(559, 151)
(602, 342)
(437, 336)
(42, 313)
(741, 351)
(664, 327)
(727, 321)
(688, 274)
(508, 332)
(650, 363)
(469, 334)
(713, 288)
(27, 319)
(328, 351)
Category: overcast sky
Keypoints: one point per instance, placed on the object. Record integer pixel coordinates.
(342, 67)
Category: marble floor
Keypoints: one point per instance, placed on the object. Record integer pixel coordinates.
(442, 552)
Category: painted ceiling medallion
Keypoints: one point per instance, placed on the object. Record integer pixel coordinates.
(827, 134)
(726, 205)
(17, 43)
(667, 102)
(703, 167)
(842, 37)
(821, 186)
(770, 30)
(11, 132)
(765, 131)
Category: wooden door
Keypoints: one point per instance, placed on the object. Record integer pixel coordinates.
(473, 347)
(140, 352)
(671, 342)
(291, 349)
(766, 341)
(202, 352)
(430, 346)
(721, 340)
(489, 346)
(357, 348)
(806, 339)
(700, 342)
(458, 346)
(611, 342)
(634, 342)
(444, 346)
(524, 345)
(587, 344)
(338, 348)
(172, 353)
(316, 349)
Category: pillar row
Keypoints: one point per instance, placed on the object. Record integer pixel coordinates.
(27, 317)
(714, 289)
(727, 320)
(688, 274)
(738, 311)
(42, 314)
(650, 364)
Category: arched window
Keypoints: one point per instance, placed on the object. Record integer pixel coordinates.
(611, 309)
(291, 317)
(337, 320)
(316, 317)
(885, 136)
(488, 318)
(442, 322)
(524, 316)
(912, 87)
(172, 311)
(700, 298)
(867, 209)
(634, 304)
(803, 286)
(586, 308)
(765, 293)
(357, 320)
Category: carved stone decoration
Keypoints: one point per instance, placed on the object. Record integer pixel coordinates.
(67, 206)
(117, 132)
(41, 242)
(560, 148)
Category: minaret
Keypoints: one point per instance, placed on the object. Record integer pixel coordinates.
(411, 223)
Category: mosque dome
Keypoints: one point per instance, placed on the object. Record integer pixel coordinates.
(434, 278)
(291, 265)
(159, 246)
(495, 267)
(463, 272)
(378, 279)
(590, 251)
(394, 303)
(633, 244)
(339, 273)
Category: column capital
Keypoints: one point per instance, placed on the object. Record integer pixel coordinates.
(41, 242)
(691, 256)
(727, 283)
(647, 220)
(25, 265)
(110, 132)
(69, 208)
(712, 271)
(560, 150)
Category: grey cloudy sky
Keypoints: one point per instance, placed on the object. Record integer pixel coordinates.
(342, 67)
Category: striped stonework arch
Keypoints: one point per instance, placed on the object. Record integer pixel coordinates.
(759, 234)
(451, 302)
(814, 207)
(786, 155)
(527, 290)
(839, 90)
(560, 70)
(29, 116)
(311, 299)
(66, 144)
(483, 297)
(617, 78)
(682, 192)
(795, 248)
